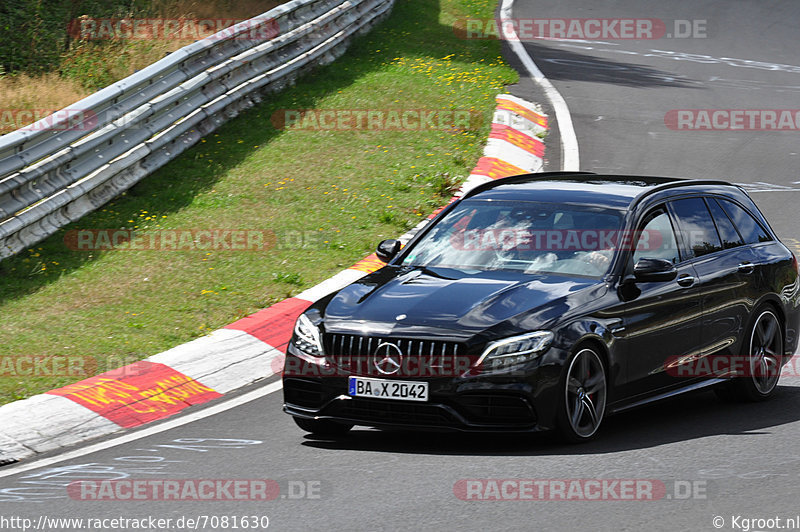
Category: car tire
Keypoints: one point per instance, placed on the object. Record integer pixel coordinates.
(762, 350)
(583, 390)
(322, 427)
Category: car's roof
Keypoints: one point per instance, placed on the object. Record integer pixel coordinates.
(615, 191)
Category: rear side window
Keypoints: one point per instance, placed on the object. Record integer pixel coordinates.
(748, 227)
(727, 231)
(696, 228)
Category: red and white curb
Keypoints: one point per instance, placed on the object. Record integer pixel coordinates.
(245, 351)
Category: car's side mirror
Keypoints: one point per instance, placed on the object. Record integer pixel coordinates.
(654, 270)
(388, 249)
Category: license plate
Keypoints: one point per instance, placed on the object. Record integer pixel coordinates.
(388, 389)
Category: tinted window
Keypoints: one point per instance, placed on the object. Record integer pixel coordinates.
(527, 236)
(730, 238)
(696, 227)
(657, 239)
(749, 228)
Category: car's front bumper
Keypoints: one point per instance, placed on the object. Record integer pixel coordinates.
(523, 401)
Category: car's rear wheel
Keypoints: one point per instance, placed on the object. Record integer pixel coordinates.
(322, 427)
(583, 402)
(762, 354)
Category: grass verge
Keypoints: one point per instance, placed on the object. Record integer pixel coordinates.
(328, 196)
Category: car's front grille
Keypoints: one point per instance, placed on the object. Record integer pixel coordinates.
(420, 358)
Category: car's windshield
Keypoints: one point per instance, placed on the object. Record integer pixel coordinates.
(527, 236)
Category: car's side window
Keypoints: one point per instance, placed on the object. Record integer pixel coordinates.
(727, 231)
(656, 238)
(750, 229)
(696, 228)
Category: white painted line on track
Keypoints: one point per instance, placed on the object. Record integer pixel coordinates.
(161, 427)
(570, 157)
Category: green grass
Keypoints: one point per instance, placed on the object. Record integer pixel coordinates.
(328, 196)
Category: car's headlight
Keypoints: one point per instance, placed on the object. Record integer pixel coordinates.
(515, 350)
(306, 337)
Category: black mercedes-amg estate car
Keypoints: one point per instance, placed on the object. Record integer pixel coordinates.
(549, 301)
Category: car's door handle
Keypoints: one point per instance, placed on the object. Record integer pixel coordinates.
(746, 267)
(686, 280)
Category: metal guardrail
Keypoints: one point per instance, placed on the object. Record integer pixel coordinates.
(66, 165)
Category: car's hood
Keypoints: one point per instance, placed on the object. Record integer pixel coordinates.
(441, 300)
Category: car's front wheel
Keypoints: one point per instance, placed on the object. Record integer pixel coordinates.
(583, 399)
(762, 356)
(322, 427)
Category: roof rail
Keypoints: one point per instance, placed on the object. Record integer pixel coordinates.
(680, 182)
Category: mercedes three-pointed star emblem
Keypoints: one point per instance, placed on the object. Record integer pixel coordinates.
(387, 358)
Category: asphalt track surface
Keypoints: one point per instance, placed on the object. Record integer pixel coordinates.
(741, 461)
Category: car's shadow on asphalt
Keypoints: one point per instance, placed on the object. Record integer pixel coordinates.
(684, 418)
(559, 63)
